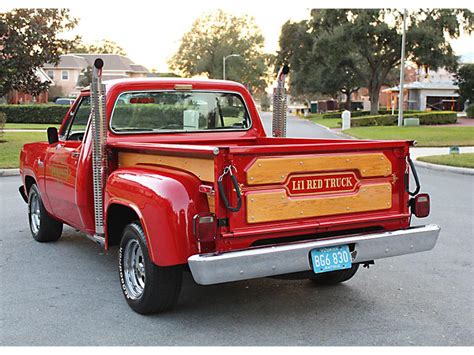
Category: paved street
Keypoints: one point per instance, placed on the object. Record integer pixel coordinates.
(67, 293)
(298, 127)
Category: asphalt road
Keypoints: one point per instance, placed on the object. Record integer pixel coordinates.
(297, 127)
(67, 293)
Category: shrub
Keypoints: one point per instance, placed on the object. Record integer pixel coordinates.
(366, 113)
(375, 120)
(470, 111)
(435, 118)
(34, 113)
(3, 119)
(230, 111)
(426, 118)
(339, 113)
(146, 116)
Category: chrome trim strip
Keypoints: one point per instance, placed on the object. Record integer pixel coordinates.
(210, 269)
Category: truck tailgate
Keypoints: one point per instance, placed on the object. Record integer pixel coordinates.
(295, 185)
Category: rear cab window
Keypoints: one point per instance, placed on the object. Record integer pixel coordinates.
(179, 111)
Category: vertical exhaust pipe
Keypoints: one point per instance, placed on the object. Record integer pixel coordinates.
(99, 132)
(280, 104)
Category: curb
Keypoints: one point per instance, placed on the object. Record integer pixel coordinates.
(451, 169)
(9, 172)
(339, 133)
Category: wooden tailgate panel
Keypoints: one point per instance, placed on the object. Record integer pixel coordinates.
(275, 170)
(372, 192)
(278, 206)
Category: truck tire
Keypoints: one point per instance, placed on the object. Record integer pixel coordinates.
(43, 227)
(147, 288)
(334, 277)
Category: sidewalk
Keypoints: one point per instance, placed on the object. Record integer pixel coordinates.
(415, 153)
(426, 151)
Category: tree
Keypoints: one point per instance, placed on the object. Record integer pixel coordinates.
(29, 39)
(219, 34)
(265, 101)
(465, 81)
(372, 39)
(86, 77)
(316, 70)
(104, 46)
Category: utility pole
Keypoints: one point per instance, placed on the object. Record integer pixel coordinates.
(402, 67)
(223, 63)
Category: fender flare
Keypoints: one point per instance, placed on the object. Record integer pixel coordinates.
(165, 201)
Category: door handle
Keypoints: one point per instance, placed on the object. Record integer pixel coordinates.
(75, 154)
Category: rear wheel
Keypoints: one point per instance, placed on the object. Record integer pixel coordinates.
(334, 277)
(43, 227)
(148, 288)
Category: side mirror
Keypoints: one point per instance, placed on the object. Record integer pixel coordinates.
(53, 135)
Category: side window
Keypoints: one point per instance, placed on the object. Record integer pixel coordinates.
(77, 125)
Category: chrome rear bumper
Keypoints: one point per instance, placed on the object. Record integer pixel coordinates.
(210, 269)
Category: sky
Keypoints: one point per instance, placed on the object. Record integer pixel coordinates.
(150, 31)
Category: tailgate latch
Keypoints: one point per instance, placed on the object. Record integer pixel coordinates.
(222, 194)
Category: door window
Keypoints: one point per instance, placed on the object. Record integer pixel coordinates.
(76, 127)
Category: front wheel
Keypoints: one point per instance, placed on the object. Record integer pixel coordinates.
(43, 227)
(148, 288)
(334, 277)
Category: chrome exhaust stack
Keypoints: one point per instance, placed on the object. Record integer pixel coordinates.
(99, 162)
(280, 104)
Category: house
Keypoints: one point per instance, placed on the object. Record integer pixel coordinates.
(431, 90)
(361, 98)
(68, 74)
(17, 97)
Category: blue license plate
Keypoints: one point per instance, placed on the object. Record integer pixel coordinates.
(331, 259)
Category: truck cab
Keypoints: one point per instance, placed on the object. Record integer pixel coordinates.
(192, 183)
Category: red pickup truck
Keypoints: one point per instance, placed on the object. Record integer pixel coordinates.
(191, 182)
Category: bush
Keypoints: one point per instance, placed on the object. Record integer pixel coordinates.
(470, 111)
(3, 119)
(146, 116)
(339, 113)
(366, 113)
(426, 118)
(34, 113)
(230, 111)
(376, 120)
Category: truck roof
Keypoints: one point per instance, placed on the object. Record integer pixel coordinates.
(211, 83)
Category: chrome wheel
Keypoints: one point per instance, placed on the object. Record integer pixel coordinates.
(134, 269)
(35, 218)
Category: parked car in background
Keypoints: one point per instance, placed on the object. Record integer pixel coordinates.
(64, 101)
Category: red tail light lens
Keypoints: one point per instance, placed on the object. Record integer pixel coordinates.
(205, 230)
(420, 205)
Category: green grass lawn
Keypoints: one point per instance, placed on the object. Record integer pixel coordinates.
(327, 122)
(464, 160)
(11, 143)
(41, 126)
(426, 136)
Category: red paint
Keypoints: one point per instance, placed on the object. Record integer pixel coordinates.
(166, 200)
(310, 184)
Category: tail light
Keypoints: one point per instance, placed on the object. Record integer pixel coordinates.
(205, 230)
(420, 205)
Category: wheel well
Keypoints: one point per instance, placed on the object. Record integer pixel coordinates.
(118, 216)
(28, 182)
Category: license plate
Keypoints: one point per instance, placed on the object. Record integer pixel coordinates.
(331, 259)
